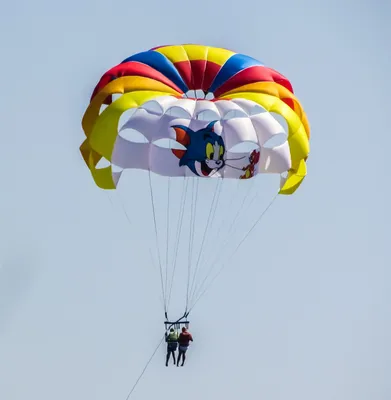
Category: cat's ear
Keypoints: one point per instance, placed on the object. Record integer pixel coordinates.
(211, 126)
(183, 138)
(182, 134)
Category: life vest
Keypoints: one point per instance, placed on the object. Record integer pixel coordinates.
(172, 337)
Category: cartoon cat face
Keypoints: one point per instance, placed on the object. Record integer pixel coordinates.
(205, 150)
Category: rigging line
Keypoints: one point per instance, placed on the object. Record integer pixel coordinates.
(189, 246)
(110, 199)
(236, 249)
(230, 257)
(203, 238)
(168, 225)
(155, 267)
(211, 217)
(168, 230)
(211, 213)
(241, 208)
(157, 241)
(122, 205)
(130, 223)
(241, 242)
(191, 236)
(152, 260)
(229, 207)
(212, 235)
(226, 239)
(124, 208)
(179, 230)
(210, 232)
(150, 251)
(196, 203)
(145, 368)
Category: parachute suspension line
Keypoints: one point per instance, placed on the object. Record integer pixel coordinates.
(122, 205)
(110, 199)
(179, 231)
(211, 216)
(191, 236)
(145, 368)
(152, 259)
(128, 219)
(157, 242)
(212, 212)
(124, 208)
(217, 248)
(224, 243)
(241, 208)
(232, 197)
(255, 224)
(224, 265)
(168, 230)
(155, 267)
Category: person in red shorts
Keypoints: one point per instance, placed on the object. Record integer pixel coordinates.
(184, 340)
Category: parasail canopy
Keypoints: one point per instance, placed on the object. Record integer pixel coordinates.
(196, 112)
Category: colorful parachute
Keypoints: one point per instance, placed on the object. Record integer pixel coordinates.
(193, 106)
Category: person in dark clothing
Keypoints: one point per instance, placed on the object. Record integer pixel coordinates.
(184, 340)
(172, 344)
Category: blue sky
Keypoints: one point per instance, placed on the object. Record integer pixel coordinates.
(302, 312)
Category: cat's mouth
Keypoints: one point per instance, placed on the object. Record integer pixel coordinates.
(204, 168)
(206, 171)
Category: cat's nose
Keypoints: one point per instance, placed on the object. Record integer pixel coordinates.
(218, 162)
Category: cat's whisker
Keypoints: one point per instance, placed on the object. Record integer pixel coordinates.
(234, 159)
(231, 166)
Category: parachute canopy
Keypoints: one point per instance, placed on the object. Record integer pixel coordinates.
(172, 133)
(195, 112)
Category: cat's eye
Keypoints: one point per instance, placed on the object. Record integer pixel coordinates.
(209, 151)
(221, 151)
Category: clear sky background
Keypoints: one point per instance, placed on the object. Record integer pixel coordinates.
(302, 312)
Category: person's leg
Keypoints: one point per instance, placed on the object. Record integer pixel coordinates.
(173, 356)
(179, 357)
(183, 358)
(168, 357)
